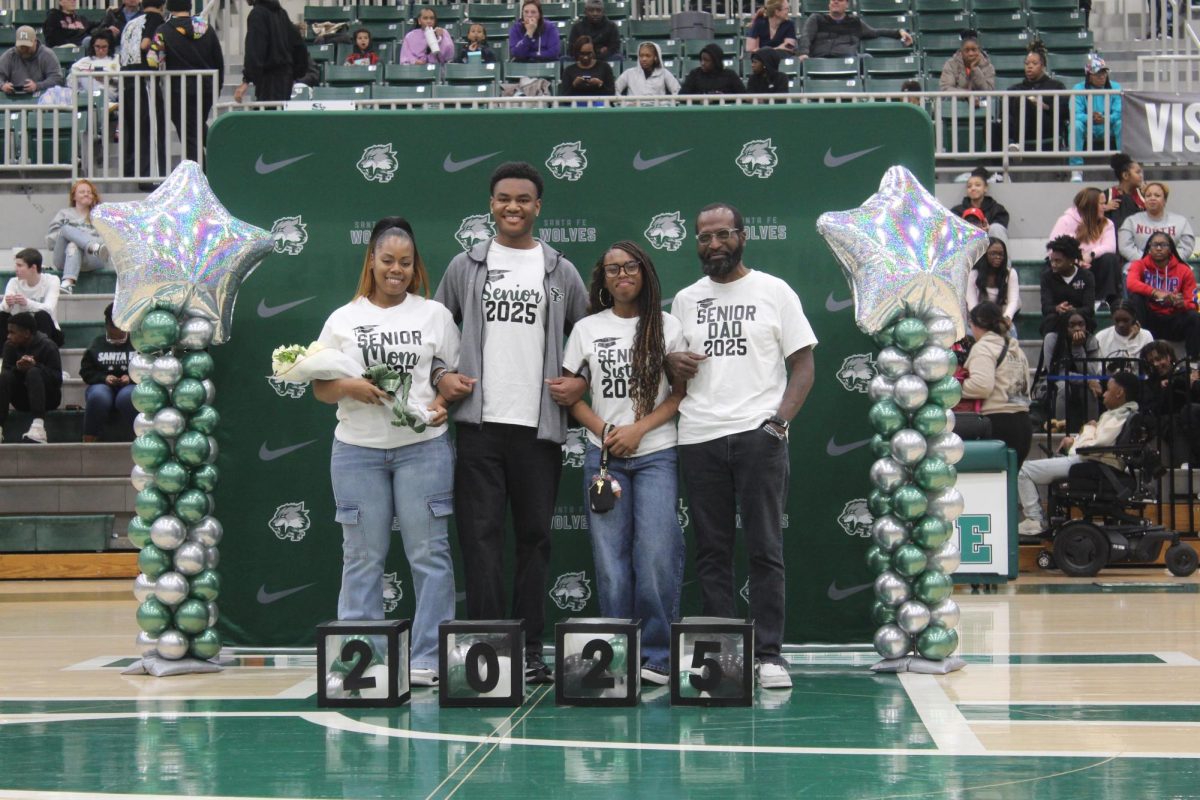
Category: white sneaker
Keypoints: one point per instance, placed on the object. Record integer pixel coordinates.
(423, 677)
(1031, 527)
(1076, 176)
(1013, 147)
(655, 675)
(997, 177)
(773, 676)
(36, 432)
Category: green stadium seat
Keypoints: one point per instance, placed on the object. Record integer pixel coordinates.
(692, 47)
(689, 63)
(889, 47)
(939, 45)
(8, 36)
(831, 67)
(412, 91)
(1053, 5)
(322, 53)
(464, 90)
(410, 74)
(813, 7)
(618, 9)
(1056, 20)
(30, 16)
(345, 14)
(533, 69)
(655, 29)
(1007, 20)
(483, 12)
(922, 7)
(367, 13)
(73, 533)
(472, 73)
(67, 55)
(339, 75)
(996, 5)
(941, 23)
(558, 10)
(1007, 42)
(1068, 42)
(496, 30)
(1008, 65)
(446, 13)
(724, 28)
(931, 83)
(902, 21)
(388, 52)
(893, 67)
(385, 31)
(883, 7)
(832, 85)
(360, 92)
(6, 16)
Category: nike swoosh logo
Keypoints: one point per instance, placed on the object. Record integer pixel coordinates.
(830, 303)
(267, 454)
(266, 597)
(835, 449)
(266, 311)
(833, 161)
(640, 163)
(450, 165)
(839, 594)
(263, 168)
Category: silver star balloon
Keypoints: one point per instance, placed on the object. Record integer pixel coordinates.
(903, 252)
(179, 249)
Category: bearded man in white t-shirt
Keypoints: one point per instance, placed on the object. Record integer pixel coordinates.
(516, 299)
(749, 367)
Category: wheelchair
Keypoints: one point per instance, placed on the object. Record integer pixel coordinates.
(1110, 527)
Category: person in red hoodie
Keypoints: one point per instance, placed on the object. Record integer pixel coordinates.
(1162, 289)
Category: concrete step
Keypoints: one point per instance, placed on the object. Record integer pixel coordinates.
(66, 495)
(72, 358)
(66, 460)
(62, 426)
(83, 307)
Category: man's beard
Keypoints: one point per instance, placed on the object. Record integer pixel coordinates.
(720, 265)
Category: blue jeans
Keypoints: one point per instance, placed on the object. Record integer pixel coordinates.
(638, 547)
(70, 252)
(100, 399)
(413, 484)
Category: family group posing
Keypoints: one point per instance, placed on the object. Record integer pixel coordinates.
(510, 344)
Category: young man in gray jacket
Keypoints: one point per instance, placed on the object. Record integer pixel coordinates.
(516, 299)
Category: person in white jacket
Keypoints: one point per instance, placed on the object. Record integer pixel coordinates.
(1137, 228)
(649, 77)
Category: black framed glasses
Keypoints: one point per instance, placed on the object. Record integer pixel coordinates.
(723, 235)
(629, 268)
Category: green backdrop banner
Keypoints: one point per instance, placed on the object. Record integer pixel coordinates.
(319, 181)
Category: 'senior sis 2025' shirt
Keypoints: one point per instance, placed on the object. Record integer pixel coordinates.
(514, 335)
(747, 329)
(604, 342)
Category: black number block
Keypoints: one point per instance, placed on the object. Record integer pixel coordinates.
(712, 662)
(363, 663)
(482, 663)
(597, 662)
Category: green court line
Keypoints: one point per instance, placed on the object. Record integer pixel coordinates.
(1020, 712)
(1065, 658)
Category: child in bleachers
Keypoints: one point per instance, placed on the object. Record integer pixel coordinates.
(476, 43)
(1125, 199)
(1075, 359)
(978, 197)
(1124, 339)
(363, 54)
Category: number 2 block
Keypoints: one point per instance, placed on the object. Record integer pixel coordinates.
(482, 663)
(597, 662)
(712, 662)
(363, 663)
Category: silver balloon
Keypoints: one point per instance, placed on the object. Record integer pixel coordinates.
(189, 558)
(891, 642)
(880, 388)
(891, 589)
(889, 532)
(212, 558)
(950, 420)
(142, 425)
(931, 363)
(146, 644)
(941, 331)
(168, 532)
(912, 617)
(195, 333)
(946, 446)
(946, 504)
(908, 446)
(171, 588)
(887, 475)
(947, 558)
(214, 614)
(893, 362)
(143, 588)
(139, 366)
(172, 644)
(140, 478)
(212, 451)
(910, 392)
(166, 370)
(169, 422)
(945, 614)
(207, 532)
(210, 391)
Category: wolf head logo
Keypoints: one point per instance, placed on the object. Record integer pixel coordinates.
(571, 591)
(666, 231)
(856, 372)
(287, 389)
(856, 518)
(574, 448)
(474, 229)
(757, 159)
(290, 235)
(567, 161)
(393, 592)
(379, 163)
(290, 521)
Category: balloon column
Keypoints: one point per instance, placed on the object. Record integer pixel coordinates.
(180, 259)
(906, 258)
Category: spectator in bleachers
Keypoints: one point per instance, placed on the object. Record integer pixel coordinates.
(1171, 395)
(275, 54)
(765, 77)
(1134, 233)
(772, 28)
(30, 375)
(427, 43)
(976, 217)
(64, 25)
(912, 87)
(978, 197)
(135, 112)
(603, 32)
(98, 60)
(76, 245)
(363, 53)
(1040, 132)
(712, 76)
(532, 38)
(1162, 289)
(476, 43)
(997, 373)
(29, 67)
(1124, 339)
(1125, 199)
(32, 291)
(120, 15)
(1065, 289)
(649, 77)
(105, 370)
(183, 43)
(1096, 113)
(587, 76)
(1074, 359)
(993, 279)
(837, 34)
(1097, 239)
(968, 69)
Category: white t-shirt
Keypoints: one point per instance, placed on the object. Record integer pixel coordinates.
(604, 342)
(1113, 345)
(405, 337)
(43, 297)
(514, 335)
(747, 329)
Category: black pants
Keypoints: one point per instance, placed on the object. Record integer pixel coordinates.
(1106, 269)
(274, 85)
(136, 140)
(193, 131)
(45, 324)
(499, 465)
(1183, 326)
(1015, 430)
(32, 390)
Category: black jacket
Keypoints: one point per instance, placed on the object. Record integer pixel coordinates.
(103, 358)
(719, 81)
(45, 354)
(1080, 293)
(58, 29)
(271, 42)
(992, 211)
(604, 35)
(1045, 83)
(187, 46)
(600, 69)
(772, 81)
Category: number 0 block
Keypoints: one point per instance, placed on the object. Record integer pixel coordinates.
(712, 662)
(363, 663)
(482, 663)
(597, 662)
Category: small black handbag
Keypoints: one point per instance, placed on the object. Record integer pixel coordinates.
(603, 490)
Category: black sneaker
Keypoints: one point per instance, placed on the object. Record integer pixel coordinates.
(536, 671)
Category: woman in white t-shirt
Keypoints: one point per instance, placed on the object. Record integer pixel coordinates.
(1124, 340)
(638, 545)
(381, 471)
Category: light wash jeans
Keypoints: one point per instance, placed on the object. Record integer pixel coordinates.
(638, 547)
(1041, 472)
(414, 484)
(70, 252)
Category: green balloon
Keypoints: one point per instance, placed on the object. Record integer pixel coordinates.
(933, 474)
(150, 451)
(882, 613)
(910, 334)
(153, 617)
(946, 393)
(937, 643)
(886, 417)
(172, 477)
(878, 562)
(206, 644)
(205, 477)
(197, 364)
(879, 503)
(886, 337)
(909, 502)
(206, 585)
(932, 587)
(191, 506)
(619, 646)
(158, 331)
(931, 532)
(138, 532)
(191, 616)
(929, 420)
(150, 504)
(880, 446)
(189, 395)
(191, 448)
(148, 397)
(205, 420)
(909, 560)
(152, 561)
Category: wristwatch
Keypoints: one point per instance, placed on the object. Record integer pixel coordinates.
(777, 426)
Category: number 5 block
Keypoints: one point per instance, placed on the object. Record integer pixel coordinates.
(362, 663)
(482, 663)
(712, 662)
(597, 662)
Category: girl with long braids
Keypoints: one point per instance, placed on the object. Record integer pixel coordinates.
(637, 545)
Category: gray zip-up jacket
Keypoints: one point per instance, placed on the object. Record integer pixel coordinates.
(461, 291)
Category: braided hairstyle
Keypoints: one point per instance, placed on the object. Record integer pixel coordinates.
(1039, 47)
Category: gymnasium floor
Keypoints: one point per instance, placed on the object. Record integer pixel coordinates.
(1074, 689)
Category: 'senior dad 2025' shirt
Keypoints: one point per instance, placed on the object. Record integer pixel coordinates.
(514, 335)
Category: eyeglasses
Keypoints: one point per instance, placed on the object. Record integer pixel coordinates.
(722, 235)
(629, 268)
(1158, 245)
